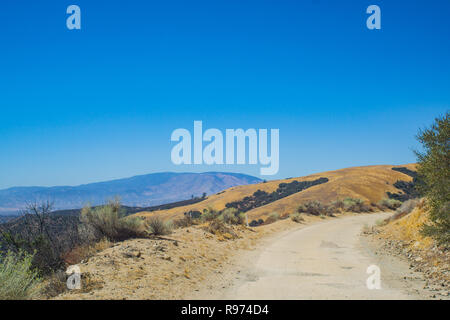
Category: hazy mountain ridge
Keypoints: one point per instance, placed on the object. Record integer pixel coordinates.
(140, 191)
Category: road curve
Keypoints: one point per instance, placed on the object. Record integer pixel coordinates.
(327, 260)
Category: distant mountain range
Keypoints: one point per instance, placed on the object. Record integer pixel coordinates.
(139, 191)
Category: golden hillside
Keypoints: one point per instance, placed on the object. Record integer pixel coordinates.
(369, 183)
(408, 228)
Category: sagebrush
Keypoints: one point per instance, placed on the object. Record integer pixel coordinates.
(109, 222)
(158, 227)
(18, 279)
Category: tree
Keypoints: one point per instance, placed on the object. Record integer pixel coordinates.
(434, 177)
(34, 233)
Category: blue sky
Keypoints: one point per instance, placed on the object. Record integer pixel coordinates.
(100, 103)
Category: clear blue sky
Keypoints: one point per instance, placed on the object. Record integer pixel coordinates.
(101, 103)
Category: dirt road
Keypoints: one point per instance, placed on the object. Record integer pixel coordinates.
(327, 260)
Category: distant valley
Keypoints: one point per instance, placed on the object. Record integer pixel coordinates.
(138, 191)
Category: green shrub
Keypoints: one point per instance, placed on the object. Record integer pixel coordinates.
(158, 226)
(108, 222)
(229, 216)
(18, 281)
(209, 214)
(434, 177)
(440, 227)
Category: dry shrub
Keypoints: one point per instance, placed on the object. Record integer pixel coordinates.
(37, 233)
(408, 228)
(55, 284)
(219, 228)
(184, 222)
(297, 217)
(350, 205)
(89, 283)
(83, 252)
(406, 208)
(108, 222)
(158, 227)
(391, 204)
(317, 208)
(274, 216)
(314, 207)
(227, 216)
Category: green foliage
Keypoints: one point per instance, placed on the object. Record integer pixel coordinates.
(434, 176)
(231, 216)
(209, 214)
(109, 222)
(18, 280)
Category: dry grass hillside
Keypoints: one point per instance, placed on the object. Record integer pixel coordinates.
(408, 228)
(369, 183)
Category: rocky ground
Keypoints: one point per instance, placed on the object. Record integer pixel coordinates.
(431, 261)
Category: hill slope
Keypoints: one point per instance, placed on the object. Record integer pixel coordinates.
(370, 183)
(139, 191)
